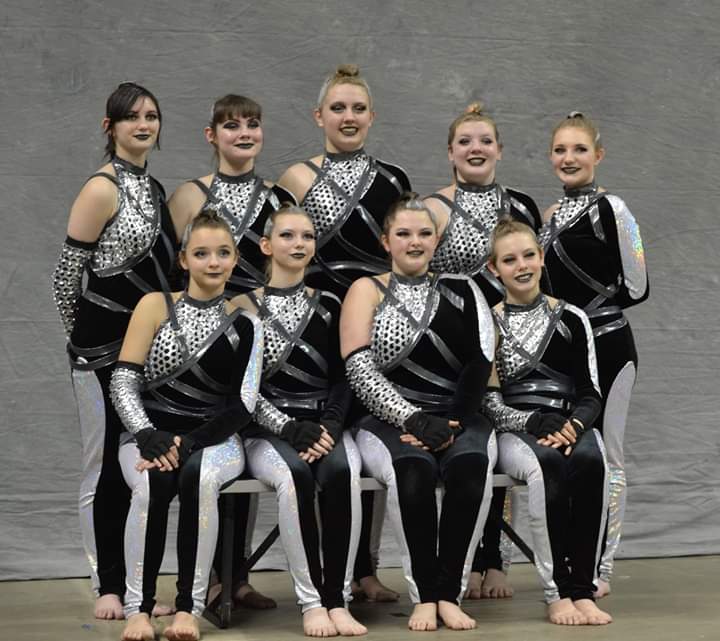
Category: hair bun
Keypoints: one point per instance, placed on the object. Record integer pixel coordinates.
(347, 71)
(575, 114)
(475, 108)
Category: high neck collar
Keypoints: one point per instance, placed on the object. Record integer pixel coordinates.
(201, 304)
(514, 307)
(241, 178)
(401, 279)
(129, 167)
(339, 156)
(584, 190)
(284, 291)
(477, 189)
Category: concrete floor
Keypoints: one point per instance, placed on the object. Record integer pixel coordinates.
(653, 600)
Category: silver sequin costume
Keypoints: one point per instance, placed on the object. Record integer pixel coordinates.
(347, 202)
(303, 380)
(245, 202)
(190, 376)
(132, 256)
(538, 364)
(464, 247)
(595, 259)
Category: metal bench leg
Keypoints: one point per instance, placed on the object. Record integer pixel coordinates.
(514, 537)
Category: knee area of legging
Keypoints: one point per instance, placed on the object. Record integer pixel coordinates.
(588, 463)
(162, 486)
(416, 478)
(467, 469)
(551, 463)
(337, 477)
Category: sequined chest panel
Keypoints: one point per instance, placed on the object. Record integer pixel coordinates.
(135, 226)
(405, 312)
(171, 347)
(342, 181)
(241, 202)
(282, 317)
(466, 241)
(525, 332)
(570, 209)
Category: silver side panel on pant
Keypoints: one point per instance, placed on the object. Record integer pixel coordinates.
(377, 460)
(267, 465)
(355, 464)
(492, 453)
(614, 422)
(135, 526)
(518, 460)
(220, 464)
(91, 411)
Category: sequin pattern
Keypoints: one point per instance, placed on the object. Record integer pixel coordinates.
(235, 197)
(528, 327)
(569, 208)
(125, 386)
(135, 226)
(504, 417)
(392, 330)
(288, 311)
(268, 416)
(323, 203)
(67, 282)
(196, 324)
(375, 391)
(465, 248)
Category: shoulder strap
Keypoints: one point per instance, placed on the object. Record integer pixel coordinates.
(204, 189)
(104, 174)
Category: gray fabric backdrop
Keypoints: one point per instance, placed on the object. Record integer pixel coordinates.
(647, 71)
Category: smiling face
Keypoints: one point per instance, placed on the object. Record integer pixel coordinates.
(237, 141)
(574, 156)
(474, 152)
(209, 256)
(517, 261)
(411, 240)
(137, 132)
(346, 116)
(291, 244)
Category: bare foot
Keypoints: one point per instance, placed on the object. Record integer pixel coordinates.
(162, 610)
(495, 585)
(345, 623)
(376, 591)
(183, 628)
(474, 586)
(109, 606)
(138, 628)
(564, 612)
(248, 597)
(593, 614)
(453, 617)
(317, 623)
(423, 617)
(603, 589)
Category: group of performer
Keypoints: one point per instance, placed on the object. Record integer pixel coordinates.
(334, 324)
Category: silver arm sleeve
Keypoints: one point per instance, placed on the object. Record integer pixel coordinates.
(67, 282)
(268, 416)
(125, 386)
(375, 391)
(504, 417)
(251, 379)
(632, 253)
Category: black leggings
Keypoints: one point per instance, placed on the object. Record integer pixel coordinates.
(435, 555)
